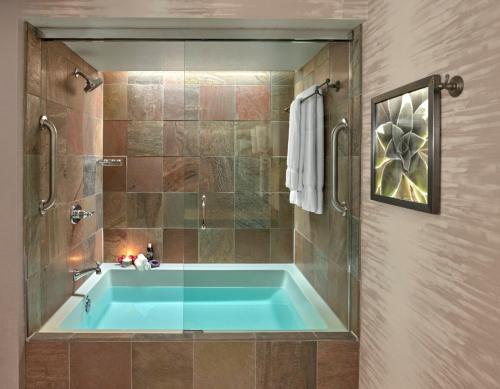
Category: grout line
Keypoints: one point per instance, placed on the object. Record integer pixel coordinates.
(69, 364)
(316, 367)
(255, 364)
(192, 363)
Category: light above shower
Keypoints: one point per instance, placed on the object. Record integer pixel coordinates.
(92, 83)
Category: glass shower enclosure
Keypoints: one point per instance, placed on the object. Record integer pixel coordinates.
(201, 134)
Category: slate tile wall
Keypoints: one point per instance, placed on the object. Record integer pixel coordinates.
(53, 246)
(246, 361)
(184, 134)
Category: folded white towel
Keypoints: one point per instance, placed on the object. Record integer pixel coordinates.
(141, 263)
(305, 179)
(294, 143)
(292, 160)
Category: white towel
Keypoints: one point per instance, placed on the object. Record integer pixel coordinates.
(141, 263)
(305, 171)
(293, 152)
(295, 144)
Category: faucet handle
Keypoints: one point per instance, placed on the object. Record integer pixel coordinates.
(98, 268)
(77, 214)
(85, 214)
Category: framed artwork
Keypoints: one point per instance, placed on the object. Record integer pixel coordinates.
(405, 156)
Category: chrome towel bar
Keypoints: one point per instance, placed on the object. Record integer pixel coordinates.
(340, 206)
(45, 205)
(335, 85)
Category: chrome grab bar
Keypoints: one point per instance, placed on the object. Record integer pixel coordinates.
(45, 205)
(340, 206)
(203, 212)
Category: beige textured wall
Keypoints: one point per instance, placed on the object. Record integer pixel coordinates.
(11, 195)
(430, 308)
(276, 9)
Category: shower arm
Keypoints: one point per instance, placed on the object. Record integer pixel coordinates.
(78, 73)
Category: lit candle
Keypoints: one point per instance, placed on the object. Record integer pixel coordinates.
(126, 260)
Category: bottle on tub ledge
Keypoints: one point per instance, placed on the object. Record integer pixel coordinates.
(150, 256)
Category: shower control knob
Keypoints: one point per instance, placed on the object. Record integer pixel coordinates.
(77, 214)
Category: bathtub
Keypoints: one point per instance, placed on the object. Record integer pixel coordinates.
(198, 298)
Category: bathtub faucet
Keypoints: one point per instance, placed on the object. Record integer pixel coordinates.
(77, 274)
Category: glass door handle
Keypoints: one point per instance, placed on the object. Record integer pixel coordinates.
(203, 212)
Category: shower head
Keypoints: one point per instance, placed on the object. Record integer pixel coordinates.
(92, 83)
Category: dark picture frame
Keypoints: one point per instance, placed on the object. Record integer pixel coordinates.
(407, 147)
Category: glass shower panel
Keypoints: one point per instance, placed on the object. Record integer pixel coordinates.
(146, 199)
(235, 94)
(321, 241)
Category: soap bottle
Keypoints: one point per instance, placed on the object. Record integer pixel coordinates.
(150, 257)
(150, 252)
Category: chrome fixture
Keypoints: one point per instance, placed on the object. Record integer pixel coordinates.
(77, 214)
(203, 212)
(335, 85)
(92, 83)
(338, 205)
(45, 205)
(88, 301)
(77, 274)
(88, 304)
(110, 162)
(191, 332)
(455, 86)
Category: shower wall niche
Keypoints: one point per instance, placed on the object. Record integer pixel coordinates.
(184, 134)
(52, 245)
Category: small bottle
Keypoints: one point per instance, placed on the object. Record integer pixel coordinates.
(150, 252)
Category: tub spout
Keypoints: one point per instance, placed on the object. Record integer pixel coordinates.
(77, 274)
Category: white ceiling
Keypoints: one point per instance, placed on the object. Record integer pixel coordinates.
(195, 55)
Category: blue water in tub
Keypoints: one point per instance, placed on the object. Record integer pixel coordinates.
(194, 308)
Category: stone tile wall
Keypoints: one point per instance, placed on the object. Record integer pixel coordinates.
(53, 246)
(185, 134)
(245, 361)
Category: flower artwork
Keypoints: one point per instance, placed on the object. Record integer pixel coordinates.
(401, 149)
(404, 146)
